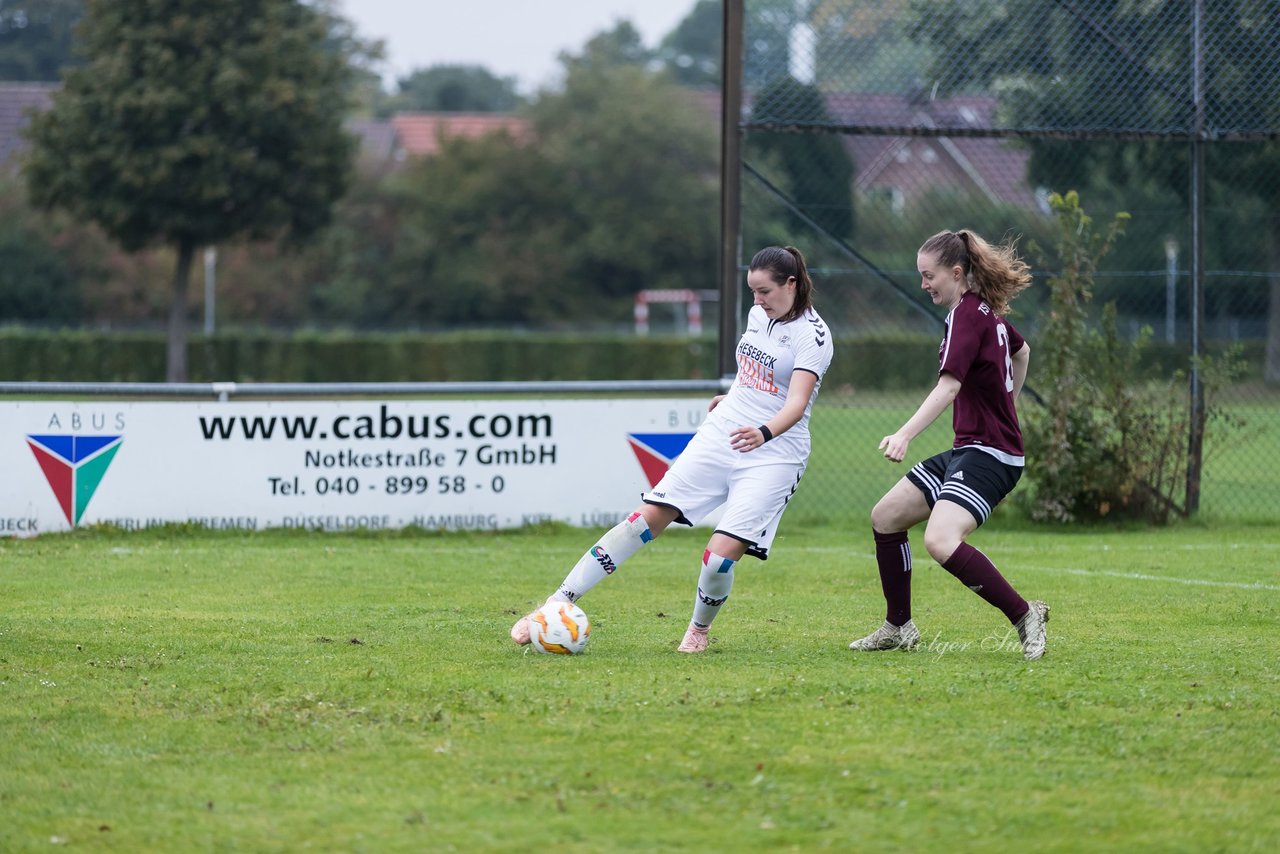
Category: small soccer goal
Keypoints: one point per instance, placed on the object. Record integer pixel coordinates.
(692, 300)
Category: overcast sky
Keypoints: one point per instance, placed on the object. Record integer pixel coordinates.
(512, 38)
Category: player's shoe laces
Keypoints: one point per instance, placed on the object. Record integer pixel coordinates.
(1032, 631)
(695, 640)
(889, 636)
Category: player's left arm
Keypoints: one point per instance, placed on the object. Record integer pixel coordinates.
(744, 439)
(1021, 361)
(798, 394)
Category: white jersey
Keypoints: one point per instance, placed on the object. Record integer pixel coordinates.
(753, 487)
(767, 353)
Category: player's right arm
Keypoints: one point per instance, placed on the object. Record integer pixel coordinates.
(943, 394)
(800, 389)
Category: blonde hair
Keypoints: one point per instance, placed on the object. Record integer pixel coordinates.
(995, 273)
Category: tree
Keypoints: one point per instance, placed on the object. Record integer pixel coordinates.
(818, 169)
(1109, 442)
(691, 52)
(609, 49)
(1080, 451)
(455, 89)
(638, 159)
(36, 284)
(613, 191)
(1105, 63)
(37, 38)
(194, 122)
(865, 49)
(363, 57)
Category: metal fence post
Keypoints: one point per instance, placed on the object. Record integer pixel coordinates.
(730, 182)
(1195, 439)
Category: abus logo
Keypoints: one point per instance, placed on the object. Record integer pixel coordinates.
(74, 466)
(656, 451)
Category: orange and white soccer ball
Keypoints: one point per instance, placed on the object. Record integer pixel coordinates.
(559, 628)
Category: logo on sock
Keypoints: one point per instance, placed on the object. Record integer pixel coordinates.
(707, 600)
(604, 559)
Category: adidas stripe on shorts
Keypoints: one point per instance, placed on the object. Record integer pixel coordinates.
(969, 477)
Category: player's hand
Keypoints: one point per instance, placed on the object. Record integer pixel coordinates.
(715, 401)
(895, 447)
(743, 439)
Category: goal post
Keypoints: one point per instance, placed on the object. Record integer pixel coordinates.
(692, 300)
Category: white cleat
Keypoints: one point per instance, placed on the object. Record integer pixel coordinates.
(520, 631)
(1032, 630)
(695, 640)
(889, 636)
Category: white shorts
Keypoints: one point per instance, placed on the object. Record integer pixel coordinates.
(709, 473)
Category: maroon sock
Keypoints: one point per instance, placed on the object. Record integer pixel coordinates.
(980, 575)
(893, 556)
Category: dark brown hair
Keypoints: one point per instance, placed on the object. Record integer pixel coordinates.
(995, 273)
(782, 263)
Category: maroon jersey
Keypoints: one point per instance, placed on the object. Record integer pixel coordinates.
(978, 349)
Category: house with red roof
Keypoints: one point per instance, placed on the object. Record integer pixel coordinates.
(383, 144)
(902, 167)
(420, 134)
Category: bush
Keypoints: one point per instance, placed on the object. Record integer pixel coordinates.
(36, 284)
(1107, 443)
(86, 356)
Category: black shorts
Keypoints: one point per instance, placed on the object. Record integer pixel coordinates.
(969, 477)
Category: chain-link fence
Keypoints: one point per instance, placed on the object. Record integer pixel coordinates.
(868, 125)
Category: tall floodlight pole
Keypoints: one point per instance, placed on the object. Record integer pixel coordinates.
(730, 182)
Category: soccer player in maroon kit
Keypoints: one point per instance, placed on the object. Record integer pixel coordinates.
(982, 364)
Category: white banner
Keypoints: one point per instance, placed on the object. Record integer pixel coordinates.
(334, 465)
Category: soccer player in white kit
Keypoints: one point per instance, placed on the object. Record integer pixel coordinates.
(749, 453)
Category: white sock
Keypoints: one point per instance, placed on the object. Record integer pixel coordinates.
(714, 583)
(618, 543)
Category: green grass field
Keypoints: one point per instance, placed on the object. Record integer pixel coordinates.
(177, 690)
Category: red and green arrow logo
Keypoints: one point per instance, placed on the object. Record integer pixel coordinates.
(74, 466)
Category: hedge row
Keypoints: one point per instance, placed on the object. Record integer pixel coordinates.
(891, 361)
(86, 356)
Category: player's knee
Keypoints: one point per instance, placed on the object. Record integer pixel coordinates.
(890, 520)
(940, 544)
(653, 516)
(883, 519)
